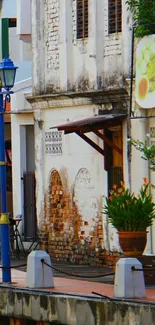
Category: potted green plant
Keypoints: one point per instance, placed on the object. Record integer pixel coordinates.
(131, 215)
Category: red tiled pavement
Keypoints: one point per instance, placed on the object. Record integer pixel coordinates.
(63, 285)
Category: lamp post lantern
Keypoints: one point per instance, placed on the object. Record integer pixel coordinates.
(7, 78)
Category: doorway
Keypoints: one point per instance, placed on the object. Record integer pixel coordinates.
(113, 159)
(29, 185)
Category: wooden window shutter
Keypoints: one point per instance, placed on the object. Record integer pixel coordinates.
(115, 16)
(82, 18)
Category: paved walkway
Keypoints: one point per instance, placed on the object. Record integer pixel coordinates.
(84, 270)
(64, 284)
(74, 287)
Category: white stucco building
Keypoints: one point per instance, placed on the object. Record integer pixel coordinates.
(81, 64)
(15, 43)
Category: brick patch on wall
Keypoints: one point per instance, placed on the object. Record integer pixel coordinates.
(112, 258)
(64, 231)
(52, 34)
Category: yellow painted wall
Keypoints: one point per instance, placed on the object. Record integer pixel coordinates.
(117, 140)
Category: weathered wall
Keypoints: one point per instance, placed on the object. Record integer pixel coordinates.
(70, 219)
(70, 184)
(96, 62)
(67, 310)
(62, 63)
(72, 229)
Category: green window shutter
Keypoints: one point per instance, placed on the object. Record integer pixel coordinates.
(5, 37)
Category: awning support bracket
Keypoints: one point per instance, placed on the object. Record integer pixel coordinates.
(108, 142)
(90, 142)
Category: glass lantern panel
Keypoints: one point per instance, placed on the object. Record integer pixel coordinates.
(2, 81)
(9, 75)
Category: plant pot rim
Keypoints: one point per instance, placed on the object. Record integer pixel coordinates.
(130, 231)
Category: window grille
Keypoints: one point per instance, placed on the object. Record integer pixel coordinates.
(82, 18)
(115, 16)
(53, 143)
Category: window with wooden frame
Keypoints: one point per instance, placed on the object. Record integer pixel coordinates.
(82, 18)
(115, 16)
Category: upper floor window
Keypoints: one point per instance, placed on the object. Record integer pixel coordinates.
(12, 22)
(82, 18)
(115, 16)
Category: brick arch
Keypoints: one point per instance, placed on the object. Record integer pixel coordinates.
(72, 230)
(60, 230)
(56, 194)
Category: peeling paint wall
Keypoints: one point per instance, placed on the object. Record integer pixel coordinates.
(71, 223)
(85, 200)
(72, 229)
(62, 63)
(96, 62)
(70, 186)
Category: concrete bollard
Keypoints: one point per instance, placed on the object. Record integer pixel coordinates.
(128, 283)
(39, 275)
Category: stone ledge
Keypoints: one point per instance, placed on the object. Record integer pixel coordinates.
(66, 309)
(69, 99)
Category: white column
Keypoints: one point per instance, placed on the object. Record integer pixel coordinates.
(65, 47)
(90, 62)
(38, 46)
(39, 164)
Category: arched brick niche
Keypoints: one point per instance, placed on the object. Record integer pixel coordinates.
(72, 227)
(59, 219)
(56, 196)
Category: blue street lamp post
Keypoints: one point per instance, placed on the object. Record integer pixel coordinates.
(7, 78)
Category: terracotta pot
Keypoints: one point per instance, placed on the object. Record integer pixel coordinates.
(132, 242)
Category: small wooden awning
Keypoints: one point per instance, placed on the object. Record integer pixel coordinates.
(94, 124)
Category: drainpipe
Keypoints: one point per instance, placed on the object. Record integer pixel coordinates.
(151, 235)
(150, 228)
(130, 108)
(131, 68)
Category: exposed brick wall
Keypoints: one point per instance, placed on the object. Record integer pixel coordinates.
(52, 34)
(112, 258)
(74, 22)
(62, 232)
